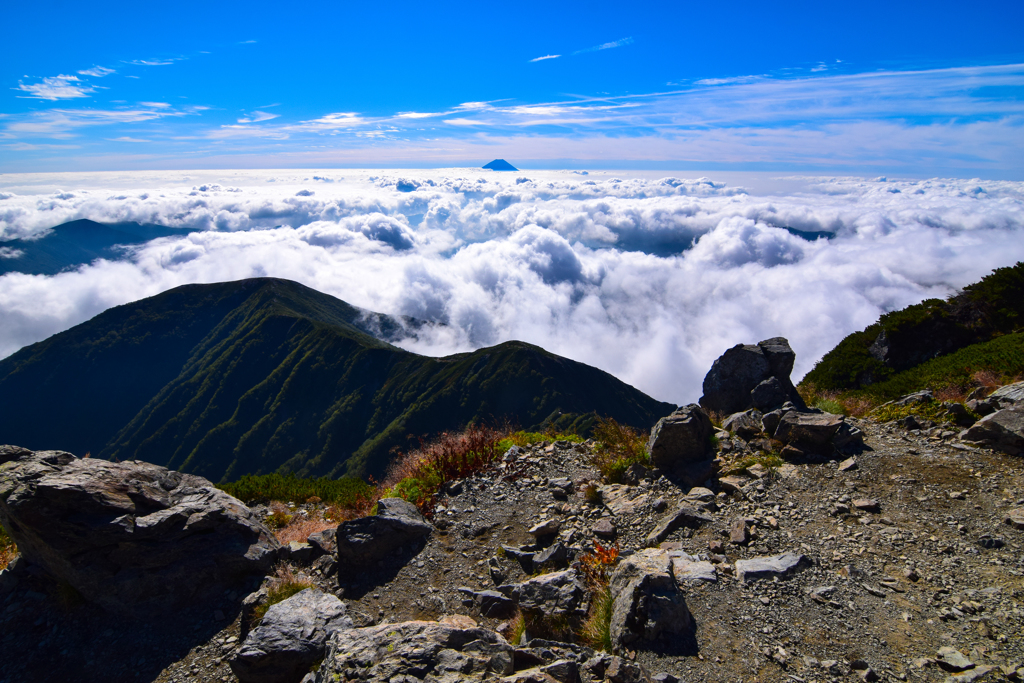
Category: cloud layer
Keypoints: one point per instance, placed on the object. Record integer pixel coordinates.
(648, 278)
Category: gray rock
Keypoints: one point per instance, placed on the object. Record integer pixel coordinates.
(412, 650)
(135, 538)
(291, 638)
(951, 659)
(1015, 518)
(646, 600)
(739, 531)
(746, 425)
(553, 594)
(769, 394)
(603, 667)
(686, 568)
(1007, 396)
(604, 528)
(751, 376)
(545, 528)
(925, 396)
(810, 432)
(682, 516)
(301, 553)
(769, 567)
(553, 557)
(1003, 430)
(680, 444)
(370, 539)
(324, 541)
(494, 604)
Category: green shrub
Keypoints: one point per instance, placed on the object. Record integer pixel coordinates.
(618, 446)
(830, 405)
(289, 488)
(8, 549)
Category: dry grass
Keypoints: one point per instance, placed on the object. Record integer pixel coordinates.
(596, 629)
(284, 585)
(8, 550)
(301, 526)
(618, 447)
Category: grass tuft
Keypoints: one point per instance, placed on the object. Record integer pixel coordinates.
(618, 447)
(8, 549)
(596, 566)
(283, 586)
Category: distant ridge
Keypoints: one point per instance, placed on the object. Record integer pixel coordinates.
(70, 245)
(500, 165)
(266, 375)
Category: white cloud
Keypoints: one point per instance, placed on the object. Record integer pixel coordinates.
(648, 278)
(56, 88)
(541, 59)
(606, 46)
(97, 71)
(154, 62)
(258, 116)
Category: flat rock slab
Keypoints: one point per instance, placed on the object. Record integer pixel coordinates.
(290, 638)
(622, 499)
(406, 651)
(686, 568)
(682, 516)
(733, 482)
(1015, 518)
(866, 504)
(769, 567)
(951, 659)
(808, 431)
(554, 594)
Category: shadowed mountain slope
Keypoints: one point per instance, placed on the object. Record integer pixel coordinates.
(267, 375)
(76, 243)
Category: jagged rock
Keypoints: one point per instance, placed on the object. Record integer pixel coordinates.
(1007, 396)
(554, 594)
(680, 444)
(324, 541)
(301, 553)
(523, 557)
(1003, 430)
(493, 603)
(739, 531)
(733, 482)
(683, 516)
(751, 376)
(646, 600)
(745, 425)
(290, 638)
(546, 528)
(370, 539)
(959, 414)
(135, 538)
(613, 669)
(769, 567)
(409, 650)
(604, 528)
(811, 432)
(553, 557)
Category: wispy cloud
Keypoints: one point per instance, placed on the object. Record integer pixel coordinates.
(465, 122)
(56, 88)
(541, 59)
(248, 42)
(416, 115)
(60, 123)
(258, 116)
(126, 138)
(97, 72)
(621, 42)
(155, 62)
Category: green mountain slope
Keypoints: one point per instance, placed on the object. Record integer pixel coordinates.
(267, 375)
(905, 339)
(76, 243)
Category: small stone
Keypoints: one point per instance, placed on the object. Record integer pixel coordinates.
(848, 465)
(546, 528)
(739, 533)
(769, 567)
(866, 504)
(911, 575)
(1015, 518)
(715, 546)
(604, 528)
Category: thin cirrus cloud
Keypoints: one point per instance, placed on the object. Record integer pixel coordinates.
(649, 278)
(541, 59)
(257, 117)
(97, 72)
(621, 42)
(54, 88)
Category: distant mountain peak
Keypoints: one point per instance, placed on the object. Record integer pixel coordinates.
(500, 165)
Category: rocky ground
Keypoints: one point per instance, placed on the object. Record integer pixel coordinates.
(908, 545)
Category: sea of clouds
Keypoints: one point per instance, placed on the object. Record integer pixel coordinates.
(647, 276)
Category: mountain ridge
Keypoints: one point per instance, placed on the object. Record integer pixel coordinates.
(265, 375)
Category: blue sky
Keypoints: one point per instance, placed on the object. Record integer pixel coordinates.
(919, 89)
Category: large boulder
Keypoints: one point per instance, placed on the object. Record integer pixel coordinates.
(370, 539)
(290, 639)
(1003, 431)
(681, 445)
(751, 376)
(415, 651)
(135, 538)
(647, 601)
(810, 432)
